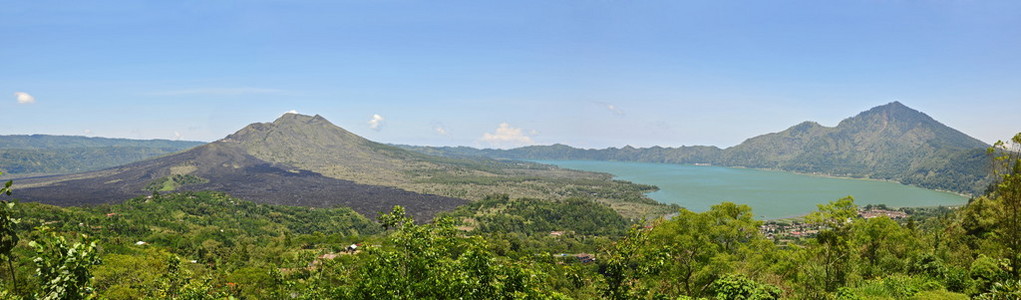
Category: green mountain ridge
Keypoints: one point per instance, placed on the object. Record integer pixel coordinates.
(46, 141)
(34, 155)
(889, 142)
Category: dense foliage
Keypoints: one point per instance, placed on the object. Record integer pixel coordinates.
(63, 269)
(498, 213)
(206, 235)
(208, 245)
(172, 182)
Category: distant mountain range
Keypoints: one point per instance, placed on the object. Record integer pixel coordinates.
(890, 142)
(28, 155)
(307, 161)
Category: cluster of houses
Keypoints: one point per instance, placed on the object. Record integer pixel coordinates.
(892, 214)
(795, 230)
(580, 257)
(778, 231)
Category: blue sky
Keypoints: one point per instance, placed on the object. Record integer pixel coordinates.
(501, 74)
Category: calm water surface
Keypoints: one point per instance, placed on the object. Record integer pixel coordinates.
(771, 194)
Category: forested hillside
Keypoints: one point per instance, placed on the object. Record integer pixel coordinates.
(30, 155)
(886, 142)
(499, 213)
(890, 142)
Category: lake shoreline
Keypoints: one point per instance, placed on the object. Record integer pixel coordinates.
(825, 175)
(772, 193)
(816, 174)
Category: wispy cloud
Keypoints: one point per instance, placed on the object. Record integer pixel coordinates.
(24, 98)
(376, 122)
(614, 109)
(507, 136)
(439, 128)
(218, 91)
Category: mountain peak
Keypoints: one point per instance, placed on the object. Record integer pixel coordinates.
(293, 117)
(897, 110)
(293, 128)
(895, 103)
(807, 125)
(891, 112)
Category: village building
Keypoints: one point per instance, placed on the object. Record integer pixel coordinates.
(585, 258)
(892, 214)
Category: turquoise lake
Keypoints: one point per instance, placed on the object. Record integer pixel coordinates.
(771, 194)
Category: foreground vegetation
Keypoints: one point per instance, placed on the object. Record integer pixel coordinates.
(205, 245)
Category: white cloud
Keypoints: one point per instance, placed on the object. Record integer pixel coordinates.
(87, 131)
(507, 136)
(291, 112)
(218, 91)
(24, 98)
(177, 135)
(615, 110)
(376, 122)
(439, 128)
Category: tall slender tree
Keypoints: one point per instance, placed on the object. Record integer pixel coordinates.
(1008, 193)
(8, 236)
(835, 243)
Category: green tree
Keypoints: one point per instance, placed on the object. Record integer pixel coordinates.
(834, 244)
(397, 218)
(739, 287)
(884, 246)
(63, 268)
(624, 264)
(985, 272)
(685, 255)
(8, 236)
(1008, 194)
(1007, 290)
(435, 261)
